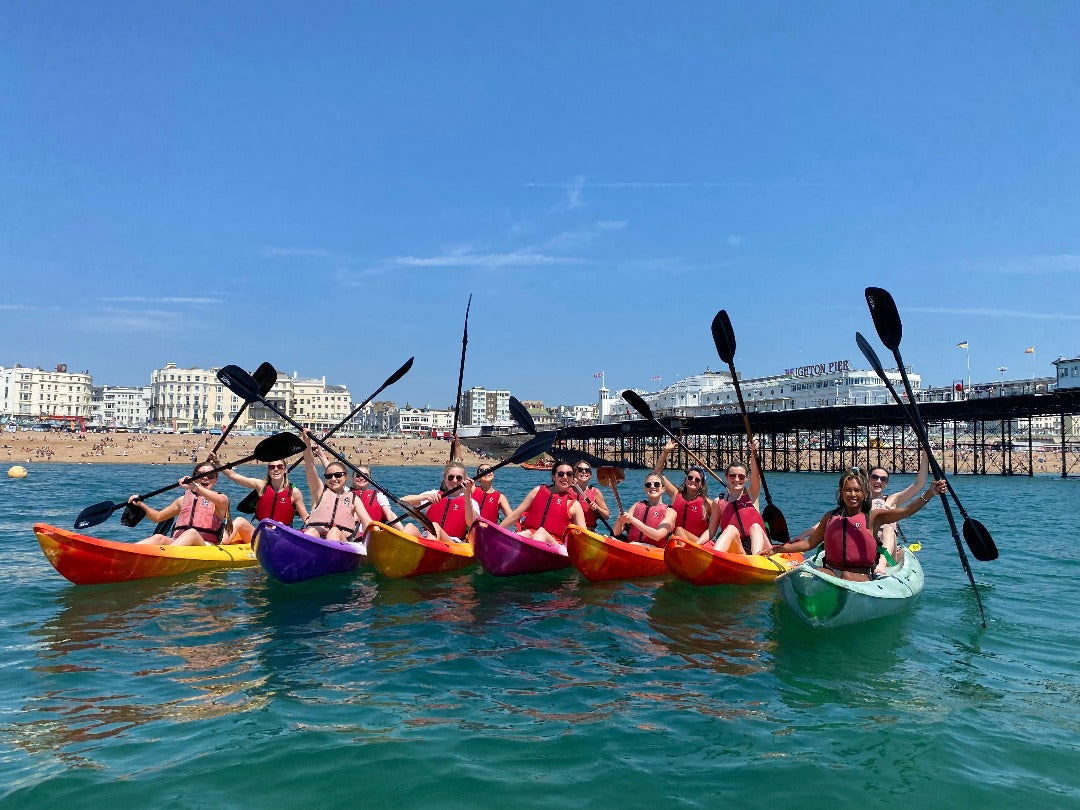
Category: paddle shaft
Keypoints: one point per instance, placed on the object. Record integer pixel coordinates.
(642, 407)
(461, 374)
(262, 376)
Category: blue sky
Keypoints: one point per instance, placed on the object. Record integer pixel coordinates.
(322, 185)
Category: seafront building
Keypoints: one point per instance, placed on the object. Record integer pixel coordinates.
(115, 406)
(422, 421)
(36, 394)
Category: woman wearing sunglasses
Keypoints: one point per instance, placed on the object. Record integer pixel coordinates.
(879, 479)
(451, 507)
(690, 501)
(336, 514)
(736, 513)
(548, 509)
(278, 499)
(649, 521)
(201, 512)
(590, 498)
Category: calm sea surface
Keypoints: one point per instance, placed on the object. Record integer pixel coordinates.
(462, 690)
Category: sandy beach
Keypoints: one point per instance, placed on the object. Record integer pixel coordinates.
(184, 450)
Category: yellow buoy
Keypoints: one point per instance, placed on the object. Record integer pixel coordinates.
(18, 471)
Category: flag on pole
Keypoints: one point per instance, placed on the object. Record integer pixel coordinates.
(962, 344)
(1029, 350)
(657, 378)
(598, 374)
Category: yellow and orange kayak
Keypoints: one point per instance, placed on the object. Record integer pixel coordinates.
(699, 565)
(92, 561)
(397, 554)
(601, 558)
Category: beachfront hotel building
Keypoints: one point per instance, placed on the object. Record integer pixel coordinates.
(36, 394)
(712, 393)
(115, 406)
(187, 399)
(421, 421)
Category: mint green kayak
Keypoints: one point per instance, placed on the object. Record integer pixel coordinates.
(821, 599)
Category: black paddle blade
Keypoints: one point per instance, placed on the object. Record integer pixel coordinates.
(397, 375)
(886, 317)
(777, 523)
(520, 414)
(870, 354)
(723, 336)
(132, 516)
(239, 382)
(247, 503)
(534, 447)
(265, 375)
(637, 403)
(979, 541)
(279, 446)
(98, 513)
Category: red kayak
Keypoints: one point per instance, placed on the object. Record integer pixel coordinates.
(601, 558)
(701, 565)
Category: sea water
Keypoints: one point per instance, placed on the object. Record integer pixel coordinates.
(229, 690)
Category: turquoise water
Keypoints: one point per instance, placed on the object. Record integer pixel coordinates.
(462, 690)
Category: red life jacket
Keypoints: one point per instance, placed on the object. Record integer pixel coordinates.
(849, 546)
(450, 514)
(549, 511)
(276, 505)
(651, 517)
(487, 503)
(324, 514)
(690, 515)
(198, 513)
(742, 513)
(369, 499)
(585, 499)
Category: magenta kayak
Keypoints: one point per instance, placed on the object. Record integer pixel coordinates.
(504, 553)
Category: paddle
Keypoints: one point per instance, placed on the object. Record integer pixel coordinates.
(460, 377)
(272, 448)
(724, 338)
(612, 477)
(240, 383)
(642, 407)
(531, 448)
(884, 309)
(247, 505)
(266, 376)
(890, 330)
(525, 422)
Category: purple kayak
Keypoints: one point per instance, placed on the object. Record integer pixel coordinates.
(504, 553)
(291, 556)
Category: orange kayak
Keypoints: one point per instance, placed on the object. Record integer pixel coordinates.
(693, 563)
(92, 561)
(601, 558)
(397, 554)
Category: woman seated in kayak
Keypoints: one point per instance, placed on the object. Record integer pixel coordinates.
(376, 504)
(548, 509)
(491, 503)
(735, 513)
(451, 508)
(591, 499)
(336, 514)
(649, 521)
(201, 513)
(879, 479)
(278, 499)
(691, 503)
(848, 532)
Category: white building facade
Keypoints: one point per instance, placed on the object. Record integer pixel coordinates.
(118, 406)
(421, 421)
(33, 393)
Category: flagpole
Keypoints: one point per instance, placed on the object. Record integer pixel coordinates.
(967, 351)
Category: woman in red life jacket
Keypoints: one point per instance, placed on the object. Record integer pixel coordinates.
(451, 507)
(201, 512)
(491, 504)
(649, 521)
(376, 504)
(735, 512)
(548, 509)
(590, 498)
(278, 499)
(879, 479)
(336, 513)
(690, 501)
(848, 532)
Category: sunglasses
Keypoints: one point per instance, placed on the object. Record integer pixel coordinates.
(693, 479)
(653, 485)
(564, 474)
(482, 473)
(586, 470)
(275, 466)
(736, 476)
(455, 478)
(882, 478)
(332, 475)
